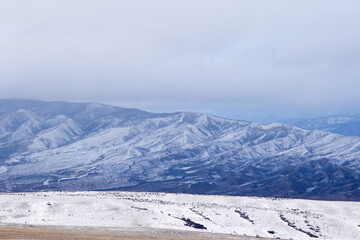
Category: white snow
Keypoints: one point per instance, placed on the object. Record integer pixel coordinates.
(219, 214)
(3, 169)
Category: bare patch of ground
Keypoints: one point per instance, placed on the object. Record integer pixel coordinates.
(49, 233)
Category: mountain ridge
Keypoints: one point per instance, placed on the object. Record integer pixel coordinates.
(90, 146)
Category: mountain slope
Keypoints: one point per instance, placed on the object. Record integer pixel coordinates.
(72, 146)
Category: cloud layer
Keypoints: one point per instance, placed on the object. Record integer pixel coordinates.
(231, 55)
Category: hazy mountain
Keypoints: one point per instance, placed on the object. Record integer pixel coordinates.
(348, 124)
(90, 146)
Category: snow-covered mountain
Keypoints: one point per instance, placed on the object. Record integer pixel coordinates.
(90, 146)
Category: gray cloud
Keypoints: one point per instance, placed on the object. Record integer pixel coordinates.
(206, 55)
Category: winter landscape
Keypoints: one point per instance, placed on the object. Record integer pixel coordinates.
(172, 120)
(47, 146)
(52, 146)
(237, 217)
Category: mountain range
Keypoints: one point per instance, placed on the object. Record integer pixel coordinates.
(90, 146)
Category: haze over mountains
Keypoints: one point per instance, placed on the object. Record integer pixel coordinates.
(347, 124)
(90, 146)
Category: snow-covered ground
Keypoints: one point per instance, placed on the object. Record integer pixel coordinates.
(265, 217)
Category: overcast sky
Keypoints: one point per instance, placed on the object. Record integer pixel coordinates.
(224, 57)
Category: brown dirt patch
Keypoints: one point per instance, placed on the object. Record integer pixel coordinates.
(42, 233)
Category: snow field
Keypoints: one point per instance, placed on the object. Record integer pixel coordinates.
(266, 217)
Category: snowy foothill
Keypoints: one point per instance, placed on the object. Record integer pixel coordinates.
(251, 216)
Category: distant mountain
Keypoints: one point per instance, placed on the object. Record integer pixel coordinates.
(90, 146)
(348, 125)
